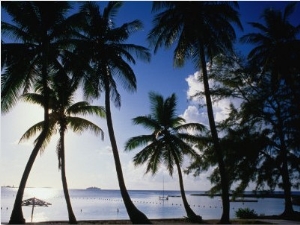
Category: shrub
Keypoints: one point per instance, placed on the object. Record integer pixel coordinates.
(245, 213)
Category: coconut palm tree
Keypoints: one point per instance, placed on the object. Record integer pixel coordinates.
(276, 45)
(40, 32)
(277, 54)
(104, 48)
(202, 30)
(64, 114)
(167, 143)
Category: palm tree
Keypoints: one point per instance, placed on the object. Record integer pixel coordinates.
(202, 30)
(41, 31)
(167, 142)
(63, 115)
(277, 54)
(277, 48)
(104, 49)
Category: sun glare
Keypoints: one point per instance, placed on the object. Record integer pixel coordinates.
(41, 193)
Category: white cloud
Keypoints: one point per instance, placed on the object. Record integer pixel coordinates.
(194, 113)
(193, 83)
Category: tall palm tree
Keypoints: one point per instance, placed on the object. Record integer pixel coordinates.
(277, 54)
(167, 142)
(104, 48)
(40, 31)
(202, 30)
(276, 44)
(64, 114)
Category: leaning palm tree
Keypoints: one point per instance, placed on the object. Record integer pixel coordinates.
(104, 48)
(202, 30)
(167, 143)
(38, 33)
(277, 54)
(64, 115)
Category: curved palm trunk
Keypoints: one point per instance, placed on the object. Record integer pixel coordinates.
(72, 218)
(215, 138)
(136, 216)
(17, 213)
(190, 213)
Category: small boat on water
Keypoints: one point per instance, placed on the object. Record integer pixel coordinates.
(163, 197)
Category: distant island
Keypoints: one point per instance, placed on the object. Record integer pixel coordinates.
(8, 186)
(93, 188)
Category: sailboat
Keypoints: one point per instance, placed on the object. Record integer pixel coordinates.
(163, 197)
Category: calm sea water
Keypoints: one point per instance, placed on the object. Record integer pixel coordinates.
(108, 204)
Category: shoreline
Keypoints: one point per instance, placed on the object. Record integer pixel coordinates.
(175, 221)
(155, 221)
(267, 219)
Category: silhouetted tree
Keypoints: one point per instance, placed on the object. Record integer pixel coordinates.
(103, 47)
(40, 31)
(64, 115)
(167, 143)
(201, 30)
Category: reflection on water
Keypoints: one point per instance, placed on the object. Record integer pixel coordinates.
(41, 193)
(8, 196)
(108, 204)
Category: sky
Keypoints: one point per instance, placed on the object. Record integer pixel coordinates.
(89, 160)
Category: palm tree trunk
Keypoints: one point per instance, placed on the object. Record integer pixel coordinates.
(72, 218)
(190, 213)
(215, 138)
(288, 206)
(136, 216)
(17, 213)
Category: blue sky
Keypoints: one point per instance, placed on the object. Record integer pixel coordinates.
(89, 161)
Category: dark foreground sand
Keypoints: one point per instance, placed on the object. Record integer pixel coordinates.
(154, 221)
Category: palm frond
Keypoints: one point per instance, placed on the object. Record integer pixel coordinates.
(45, 135)
(34, 98)
(191, 126)
(289, 9)
(78, 125)
(147, 122)
(84, 108)
(32, 131)
(138, 141)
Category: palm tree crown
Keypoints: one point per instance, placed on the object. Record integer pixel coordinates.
(166, 143)
(63, 111)
(103, 46)
(277, 48)
(41, 33)
(193, 23)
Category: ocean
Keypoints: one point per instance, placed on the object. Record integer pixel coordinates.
(108, 204)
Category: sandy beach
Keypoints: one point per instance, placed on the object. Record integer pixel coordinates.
(156, 221)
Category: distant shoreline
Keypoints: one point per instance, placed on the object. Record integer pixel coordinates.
(276, 194)
(259, 195)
